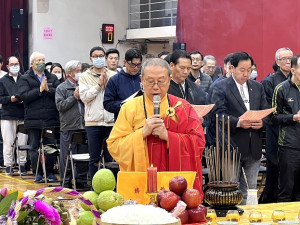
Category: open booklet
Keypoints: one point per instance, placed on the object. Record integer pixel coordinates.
(136, 94)
(256, 114)
(202, 110)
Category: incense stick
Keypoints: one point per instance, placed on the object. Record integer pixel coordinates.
(245, 178)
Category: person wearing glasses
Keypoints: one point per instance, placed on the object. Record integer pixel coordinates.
(171, 141)
(12, 116)
(283, 58)
(98, 121)
(201, 79)
(287, 116)
(124, 83)
(180, 86)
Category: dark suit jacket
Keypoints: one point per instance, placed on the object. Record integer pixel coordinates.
(194, 94)
(229, 102)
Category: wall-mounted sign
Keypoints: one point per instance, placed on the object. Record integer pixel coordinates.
(108, 33)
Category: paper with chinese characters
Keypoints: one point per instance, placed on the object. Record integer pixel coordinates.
(133, 185)
(202, 110)
(256, 114)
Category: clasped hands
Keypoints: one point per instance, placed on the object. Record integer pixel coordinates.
(155, 125)
(103, 79)
(254, 124)
(44, 85)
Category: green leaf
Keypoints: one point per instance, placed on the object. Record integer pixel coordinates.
(22, 215)
(6, 202)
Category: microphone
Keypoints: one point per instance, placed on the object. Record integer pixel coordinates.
(156, 103)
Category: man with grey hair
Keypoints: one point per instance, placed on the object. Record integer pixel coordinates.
(209, 67)
(283, 58)
(37, 91)
(71, 112)
(171, 140)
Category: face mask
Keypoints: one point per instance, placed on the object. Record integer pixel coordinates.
(253, 74)
(59, 75)
(99, 62)
(77, 75)
(40, 66)
(14, 69)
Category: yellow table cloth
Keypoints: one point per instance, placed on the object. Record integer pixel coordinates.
(291, 210)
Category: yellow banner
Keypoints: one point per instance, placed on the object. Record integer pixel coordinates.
(133, 185)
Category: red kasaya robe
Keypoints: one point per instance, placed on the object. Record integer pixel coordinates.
(183, 151)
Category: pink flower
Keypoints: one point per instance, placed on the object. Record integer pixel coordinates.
(48, 212)
(3, 192)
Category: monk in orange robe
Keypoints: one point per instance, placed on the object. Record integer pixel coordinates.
(171, 141)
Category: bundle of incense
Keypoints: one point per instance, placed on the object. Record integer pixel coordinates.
(223, 164)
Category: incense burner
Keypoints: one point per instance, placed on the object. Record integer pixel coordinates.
(223, 195)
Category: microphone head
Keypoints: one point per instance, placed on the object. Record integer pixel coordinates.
(156, 99)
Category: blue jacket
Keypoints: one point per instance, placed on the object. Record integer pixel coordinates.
(118, 88)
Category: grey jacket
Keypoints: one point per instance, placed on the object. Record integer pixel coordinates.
(71, 110)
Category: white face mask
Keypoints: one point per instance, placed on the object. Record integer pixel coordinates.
(253, 74)
(77, 75)
(59, 75)
(14, 69)
(99, 62)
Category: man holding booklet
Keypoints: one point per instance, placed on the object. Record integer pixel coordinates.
(233, 97)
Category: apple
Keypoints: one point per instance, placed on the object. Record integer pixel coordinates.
(169, 200)
(178, 185)
(198, 214)
(158, 196)
(191, 197)
(184, 217)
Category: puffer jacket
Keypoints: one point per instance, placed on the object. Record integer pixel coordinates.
(40, 108)
(92, 95)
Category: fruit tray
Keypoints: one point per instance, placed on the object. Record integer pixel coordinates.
(14, 213)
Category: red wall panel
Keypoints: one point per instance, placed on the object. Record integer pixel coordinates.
(259, 27)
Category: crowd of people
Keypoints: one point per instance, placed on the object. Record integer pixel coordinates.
(95, 98)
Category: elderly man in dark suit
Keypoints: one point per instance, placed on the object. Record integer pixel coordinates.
(233, 97)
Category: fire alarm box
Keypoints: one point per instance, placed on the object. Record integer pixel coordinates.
(108, 33)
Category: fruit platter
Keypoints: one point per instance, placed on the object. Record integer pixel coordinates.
(177, 204)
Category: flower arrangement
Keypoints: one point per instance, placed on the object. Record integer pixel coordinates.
(38, 211)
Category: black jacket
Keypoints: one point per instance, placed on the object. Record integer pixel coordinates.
(8, 88)
(40, 108)
(193, 94)
(271, 82)
(228, 102)
(286, 99)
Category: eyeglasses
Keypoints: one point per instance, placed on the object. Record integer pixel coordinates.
(285, 59)
(159, 83)
(210, 67)
(14, 64)
(133, 65)
(196, 59)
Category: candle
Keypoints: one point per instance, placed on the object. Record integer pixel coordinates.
(152, 179)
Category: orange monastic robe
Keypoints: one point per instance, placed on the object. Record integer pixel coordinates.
(183, 152)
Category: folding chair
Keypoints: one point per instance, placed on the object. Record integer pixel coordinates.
(78, 137)
(113, 165)
(16, 148)
(51, 132)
